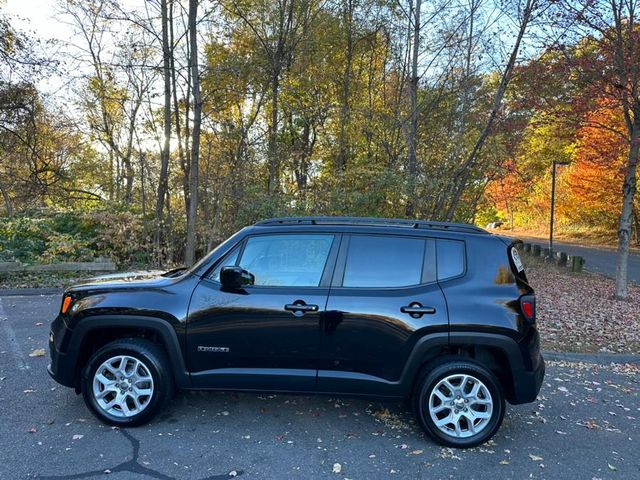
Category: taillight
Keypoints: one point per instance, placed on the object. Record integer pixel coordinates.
(528, 307)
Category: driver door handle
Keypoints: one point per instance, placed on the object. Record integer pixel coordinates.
(300, 307)
(416, 310)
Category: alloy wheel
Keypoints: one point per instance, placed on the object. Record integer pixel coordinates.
(460, 406)
(123, 386)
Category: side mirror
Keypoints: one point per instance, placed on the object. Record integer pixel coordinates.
(235, 278)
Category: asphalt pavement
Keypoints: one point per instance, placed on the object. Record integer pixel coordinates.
(583, 426)
(600, 260)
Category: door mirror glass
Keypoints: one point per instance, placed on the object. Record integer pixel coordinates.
(235, 278)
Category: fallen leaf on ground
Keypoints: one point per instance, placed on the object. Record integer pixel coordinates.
(504, 462)
(38, 352)
(337, 468)
(535, 458)
(77, 436)
(580, 313)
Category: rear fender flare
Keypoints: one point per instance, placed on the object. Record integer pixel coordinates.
(423, 352)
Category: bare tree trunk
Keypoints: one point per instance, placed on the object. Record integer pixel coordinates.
(345, 111)
(284, 38)
(195, 141)
(143, 191)
(163, 181)
(459, 182)
(274, 161)
(636, 219)
(128, 180)
(176, 116)
(412, 160)
(626, 216)
(8, 205)
(462, 130)
(112, 175)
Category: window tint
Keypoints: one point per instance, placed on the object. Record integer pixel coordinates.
(379, 261)
(287, 260)
(230, 259)
(450, 258)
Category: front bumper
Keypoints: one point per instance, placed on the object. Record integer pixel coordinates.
(62, 366)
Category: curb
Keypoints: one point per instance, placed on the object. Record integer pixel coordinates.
(25, 292)
(599, 358)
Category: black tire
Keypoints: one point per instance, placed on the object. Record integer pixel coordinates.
(153, 357)
(430, 378)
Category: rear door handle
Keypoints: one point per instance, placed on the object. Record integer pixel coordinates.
(300, 308)
(416, 310)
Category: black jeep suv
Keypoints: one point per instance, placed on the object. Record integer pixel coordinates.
(439, 313)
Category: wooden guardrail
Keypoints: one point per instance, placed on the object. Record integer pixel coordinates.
(574, 262)
(98, 265)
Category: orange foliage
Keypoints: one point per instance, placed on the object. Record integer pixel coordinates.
(506, 191)
(596, 177)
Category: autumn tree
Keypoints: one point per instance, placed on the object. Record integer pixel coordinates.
(599, 44)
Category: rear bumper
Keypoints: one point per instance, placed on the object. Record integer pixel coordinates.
(526, 385)
(528, 379)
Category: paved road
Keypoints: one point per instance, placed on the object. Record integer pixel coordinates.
(598, 259)
(585, 425)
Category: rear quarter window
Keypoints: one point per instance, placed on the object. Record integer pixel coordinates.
(450, 258)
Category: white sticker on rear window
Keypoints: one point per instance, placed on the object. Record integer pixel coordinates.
(516, 259)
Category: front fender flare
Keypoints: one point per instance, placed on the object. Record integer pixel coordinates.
(162, 327)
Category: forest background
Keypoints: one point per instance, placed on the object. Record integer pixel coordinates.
(157, 128)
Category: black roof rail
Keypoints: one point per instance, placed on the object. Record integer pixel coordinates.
(372, 221)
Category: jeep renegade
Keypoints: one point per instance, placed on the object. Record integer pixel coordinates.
(438, 313)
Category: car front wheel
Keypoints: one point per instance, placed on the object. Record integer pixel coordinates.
(127, 382)
(459, 403)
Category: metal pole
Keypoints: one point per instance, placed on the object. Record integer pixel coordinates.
(553, 207)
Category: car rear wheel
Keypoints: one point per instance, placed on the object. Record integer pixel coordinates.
(127, 382)
(459, 403)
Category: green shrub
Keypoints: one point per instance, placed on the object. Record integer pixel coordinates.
(75, 237)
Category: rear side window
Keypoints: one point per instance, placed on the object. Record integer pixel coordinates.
(377, 261)
(450, 258)
(287, 260)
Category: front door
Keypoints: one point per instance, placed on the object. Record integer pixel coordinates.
(384, 297)
(265, 337)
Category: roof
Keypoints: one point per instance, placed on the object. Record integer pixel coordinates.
(372, 221)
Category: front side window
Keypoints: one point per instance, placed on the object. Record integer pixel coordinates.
(383, 262)
(287, 260)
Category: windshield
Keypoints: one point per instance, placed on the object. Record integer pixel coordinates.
(199, 267)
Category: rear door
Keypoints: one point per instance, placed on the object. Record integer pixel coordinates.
(384, 297)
